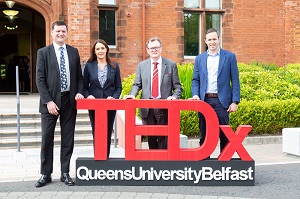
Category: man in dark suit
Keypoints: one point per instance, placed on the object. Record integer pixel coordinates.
(216, 81)
(168, 87)
(60, 83)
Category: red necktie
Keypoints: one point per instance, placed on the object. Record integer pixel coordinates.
(155, 81)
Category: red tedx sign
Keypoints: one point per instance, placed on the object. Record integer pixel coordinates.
(172, 130)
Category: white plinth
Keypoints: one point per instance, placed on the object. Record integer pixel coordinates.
(291, 141)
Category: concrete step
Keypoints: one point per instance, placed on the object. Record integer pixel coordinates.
(26, 131)
(30, 124)
(31, 116)
(35, 141)
(36, 123)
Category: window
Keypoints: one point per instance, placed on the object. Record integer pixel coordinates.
(200, 15)
(107, 21)
(107, 2)
(107, 24)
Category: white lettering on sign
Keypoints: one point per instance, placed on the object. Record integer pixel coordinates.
(186, 174)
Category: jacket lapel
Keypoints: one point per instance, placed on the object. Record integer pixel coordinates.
(70, 57)
(52, 56)
(221, 60)
(108, 75)
(204, 64)
(163, 69)
(148, 73)
(95, 72)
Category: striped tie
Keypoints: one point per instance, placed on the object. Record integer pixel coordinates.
(155, 81)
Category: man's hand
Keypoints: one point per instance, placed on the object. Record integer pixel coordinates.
(195, 97)
(91, 97)
(232, 108)
(52, 108)
(78, 96)
(129, 97)
(171, 98)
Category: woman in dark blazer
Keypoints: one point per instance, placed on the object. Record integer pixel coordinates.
(102, 79)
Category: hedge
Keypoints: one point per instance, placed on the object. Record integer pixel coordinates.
(269, 98)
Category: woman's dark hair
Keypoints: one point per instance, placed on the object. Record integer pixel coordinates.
(93, 56)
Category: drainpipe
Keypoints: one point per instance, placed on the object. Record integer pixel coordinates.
(144, 29)
(61, 10)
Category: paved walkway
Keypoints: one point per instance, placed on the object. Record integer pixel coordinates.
(23, 166)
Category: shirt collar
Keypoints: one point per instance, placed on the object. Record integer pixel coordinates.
(56, 46)
(159, 61)
(218, 53)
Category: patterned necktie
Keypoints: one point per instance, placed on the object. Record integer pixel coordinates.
(63, 71)
(155, 81)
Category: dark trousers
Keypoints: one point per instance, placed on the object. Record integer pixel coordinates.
(223, 117)
(157, 117)
(110, 124)
(67, 118)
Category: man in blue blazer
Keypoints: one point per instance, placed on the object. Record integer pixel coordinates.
(59, 81)
(216, 81)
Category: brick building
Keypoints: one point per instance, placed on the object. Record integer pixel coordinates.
(265, 31)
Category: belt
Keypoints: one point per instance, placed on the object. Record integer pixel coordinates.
(211, 95)
(64, 93)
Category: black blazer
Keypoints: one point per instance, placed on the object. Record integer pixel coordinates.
(48, 76)
(112, 87)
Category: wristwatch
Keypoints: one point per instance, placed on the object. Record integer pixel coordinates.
(235, 102)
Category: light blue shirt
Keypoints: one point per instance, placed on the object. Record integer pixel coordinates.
(212, 72)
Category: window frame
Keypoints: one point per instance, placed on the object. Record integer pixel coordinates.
(99, 2)
(110, 7)
(202, 11)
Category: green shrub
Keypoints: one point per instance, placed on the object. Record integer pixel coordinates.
(127, 84)
(259, 84)
(189, 123)
(185, 73)
(270, 98)
(267, 117)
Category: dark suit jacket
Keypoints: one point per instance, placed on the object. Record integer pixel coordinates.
(169, 82)
(112, 87)
(48, 76)
(228, 78)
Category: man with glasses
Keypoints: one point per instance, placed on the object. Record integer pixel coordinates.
(157, 77)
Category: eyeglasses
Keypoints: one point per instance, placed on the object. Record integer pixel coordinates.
(154, 48)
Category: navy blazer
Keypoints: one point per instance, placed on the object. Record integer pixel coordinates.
(112, 87)
(48, 76)
(228, 78)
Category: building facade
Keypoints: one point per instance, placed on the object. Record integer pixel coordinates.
(265, 31)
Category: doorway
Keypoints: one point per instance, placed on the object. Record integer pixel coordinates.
(20, 38)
